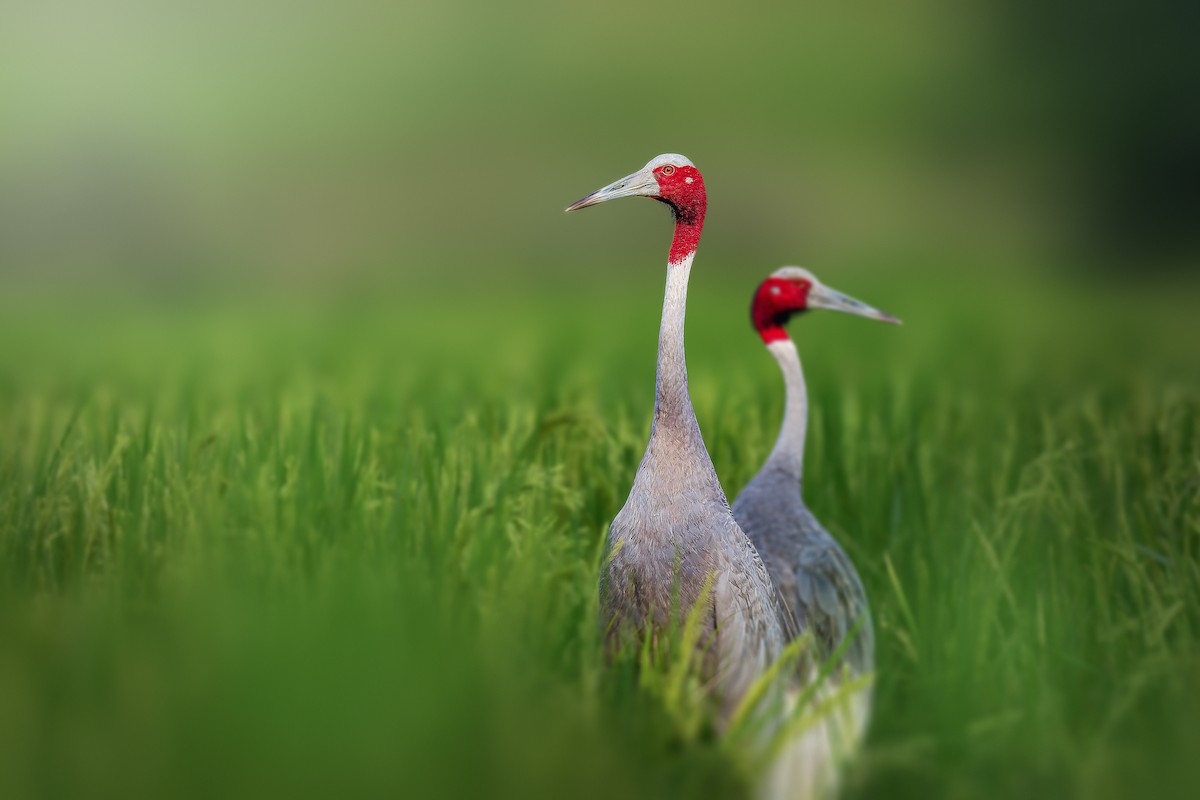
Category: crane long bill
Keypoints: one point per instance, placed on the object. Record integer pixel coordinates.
(639, 184)
(824, 297)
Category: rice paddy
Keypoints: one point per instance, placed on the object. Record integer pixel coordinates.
(270, 548)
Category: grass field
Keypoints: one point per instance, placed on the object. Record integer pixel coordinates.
(284, 548)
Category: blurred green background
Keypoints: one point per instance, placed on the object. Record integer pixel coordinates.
(340, 145)
(314, 408)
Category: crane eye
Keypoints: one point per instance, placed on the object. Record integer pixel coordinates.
(668, 170)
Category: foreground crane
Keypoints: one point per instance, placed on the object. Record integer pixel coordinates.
(676, 532)
(821, 593)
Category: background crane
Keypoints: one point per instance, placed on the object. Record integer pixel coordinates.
(819, 589)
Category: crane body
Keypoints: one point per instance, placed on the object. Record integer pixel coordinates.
(820, 593)
(676, 532)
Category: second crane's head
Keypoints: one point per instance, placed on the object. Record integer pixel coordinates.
(671, 179)
(791, 290)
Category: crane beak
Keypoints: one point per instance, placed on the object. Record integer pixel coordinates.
(823, 297)
(639, 184)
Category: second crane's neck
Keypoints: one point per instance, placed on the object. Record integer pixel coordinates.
(788, 454)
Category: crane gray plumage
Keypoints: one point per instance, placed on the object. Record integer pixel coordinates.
(676, 528)
(819, 590)
(815, 578)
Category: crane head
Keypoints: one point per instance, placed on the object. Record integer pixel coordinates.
(792, 290)
(669, 178)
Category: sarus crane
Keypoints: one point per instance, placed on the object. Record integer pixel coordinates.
(820, 591)
(676, 533)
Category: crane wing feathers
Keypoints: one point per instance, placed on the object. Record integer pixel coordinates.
(830, 600)
(818, 587)
(747, 641)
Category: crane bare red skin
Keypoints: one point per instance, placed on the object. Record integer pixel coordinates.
(679, 185)
(776, 300)
(682, 188)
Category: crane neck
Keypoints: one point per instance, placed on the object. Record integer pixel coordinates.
(689, 221)
(672, 402)
(788, 454)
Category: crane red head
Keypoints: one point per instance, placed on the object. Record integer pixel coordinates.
(791, 290)
(671, 179)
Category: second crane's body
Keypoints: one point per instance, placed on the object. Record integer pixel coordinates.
(819, 588)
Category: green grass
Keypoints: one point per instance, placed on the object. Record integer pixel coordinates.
(266, 548)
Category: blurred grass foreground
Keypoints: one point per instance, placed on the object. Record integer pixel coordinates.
(314, 410)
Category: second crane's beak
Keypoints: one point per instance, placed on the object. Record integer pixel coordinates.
(820, 296)
(639, 184)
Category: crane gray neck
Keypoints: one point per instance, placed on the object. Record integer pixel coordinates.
(676, 464)
(672, 403)
(788, 454)
(676, 473)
